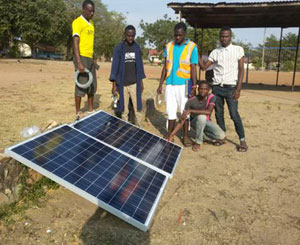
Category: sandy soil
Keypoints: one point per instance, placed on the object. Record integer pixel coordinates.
(217, 196)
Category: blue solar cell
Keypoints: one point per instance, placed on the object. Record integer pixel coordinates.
(106, 174)
(132, 140)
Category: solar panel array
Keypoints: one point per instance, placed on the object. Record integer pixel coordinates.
(99, 170)
(146, 147)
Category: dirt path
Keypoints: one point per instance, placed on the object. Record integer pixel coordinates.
(222, 196)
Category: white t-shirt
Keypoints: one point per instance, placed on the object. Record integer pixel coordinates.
(226, 64)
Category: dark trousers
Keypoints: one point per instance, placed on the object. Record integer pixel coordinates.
(225, 94)
(209, 76)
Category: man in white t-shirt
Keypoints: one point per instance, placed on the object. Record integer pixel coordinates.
(228, 69)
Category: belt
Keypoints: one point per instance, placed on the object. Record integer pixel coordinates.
(225, 85)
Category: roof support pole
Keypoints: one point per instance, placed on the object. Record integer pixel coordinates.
(278, 59)
(201, 48)
(195, 35)
(296, 59)
(201, 52)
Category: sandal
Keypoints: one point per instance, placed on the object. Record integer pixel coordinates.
(242, 148)
(91, 112)
(78, 116)
(196, 147)
(219, 142)
(187, 142)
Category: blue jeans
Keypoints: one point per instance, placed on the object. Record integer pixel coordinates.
(225, 94)
(206, 129)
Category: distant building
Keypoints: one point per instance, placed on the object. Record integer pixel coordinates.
(154, 56)
(43, 51)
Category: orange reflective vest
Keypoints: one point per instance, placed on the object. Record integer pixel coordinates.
(184, 70)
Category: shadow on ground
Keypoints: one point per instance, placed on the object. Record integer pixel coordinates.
(96, 105)
(155, 117)
(104, 228)
(261, 86)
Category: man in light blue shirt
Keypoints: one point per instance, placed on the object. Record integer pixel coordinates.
(181, 59)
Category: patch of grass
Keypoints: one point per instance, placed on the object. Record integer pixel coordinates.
(30, 194)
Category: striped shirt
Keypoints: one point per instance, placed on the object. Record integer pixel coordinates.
(226, 64)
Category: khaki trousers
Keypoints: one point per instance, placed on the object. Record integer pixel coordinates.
(130, 92)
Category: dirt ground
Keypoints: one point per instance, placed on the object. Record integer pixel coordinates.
(217, 196)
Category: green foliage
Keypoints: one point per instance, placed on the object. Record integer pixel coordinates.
(210, 39)
(159, 33)
(50, 22)
(30, 194)
(109, 27)
(109, 30)
(287, 57)
(43, 22)
(10, 22)
(142, 42)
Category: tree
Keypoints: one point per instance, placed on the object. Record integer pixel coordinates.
(159, 33)
(109, 27)
(43, 22)
(10, 22)
(110, 31)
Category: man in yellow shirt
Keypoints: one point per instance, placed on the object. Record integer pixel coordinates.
(83, 45)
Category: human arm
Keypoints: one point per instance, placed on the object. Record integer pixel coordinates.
(194, 79)
(194, 62)
(142, 86)
(207, 111)
(237, 92)
(114, 69)
(178, 126)
(199, 59)
(204, 66)
(162, 78)
(76, 40)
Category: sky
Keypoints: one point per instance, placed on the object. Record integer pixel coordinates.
(152, 10)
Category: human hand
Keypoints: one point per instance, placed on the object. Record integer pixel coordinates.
(185, 114)
(114, 89)
(236, 94)
(193, 93)
(159, 89)
(170, 138)
(81, 68)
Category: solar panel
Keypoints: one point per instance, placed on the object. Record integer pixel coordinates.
(103, 175)
(145, 147)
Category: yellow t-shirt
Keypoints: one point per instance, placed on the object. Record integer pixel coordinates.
(85, 30)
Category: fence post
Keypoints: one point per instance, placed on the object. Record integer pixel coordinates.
(278, 59)
(296, 58)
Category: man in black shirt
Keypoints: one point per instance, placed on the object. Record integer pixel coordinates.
(127, 74)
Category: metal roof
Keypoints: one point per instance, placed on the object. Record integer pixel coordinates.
(240, 15)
